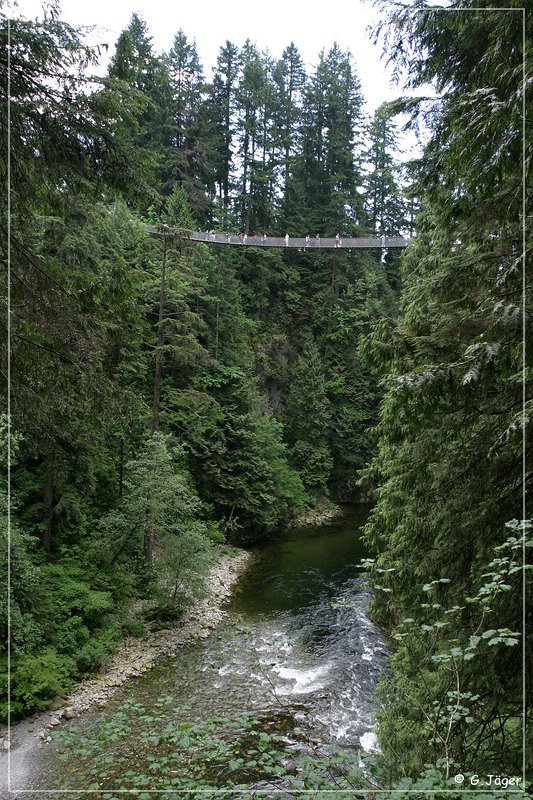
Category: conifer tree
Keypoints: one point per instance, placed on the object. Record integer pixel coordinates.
(309, 417)
(451, 430)
(384, 205)
(189, 156)
(221, 114)
(289, 79)
(149, 127)
(329, 171)
(250, 98)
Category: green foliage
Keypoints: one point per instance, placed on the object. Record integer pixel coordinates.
(175, 753)
(383, 199)
(451, 669)
(26, 587)
(228, 753)
(326, 171)
(73, 593)
(452, 421)
(310, 414)
(59, 116)
(35, 681)
(159, 498)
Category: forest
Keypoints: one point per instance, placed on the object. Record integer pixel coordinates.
(167, 400)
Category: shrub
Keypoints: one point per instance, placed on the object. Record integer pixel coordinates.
(35, 681)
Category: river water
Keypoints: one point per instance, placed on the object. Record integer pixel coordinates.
(297, 642)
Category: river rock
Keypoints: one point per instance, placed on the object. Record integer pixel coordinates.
(58, 703)
(322, 513)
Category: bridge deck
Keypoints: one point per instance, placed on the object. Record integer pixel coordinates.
(300, 243)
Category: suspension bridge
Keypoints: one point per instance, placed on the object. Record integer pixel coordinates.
(295, 242)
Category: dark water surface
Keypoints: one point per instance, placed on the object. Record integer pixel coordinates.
(297, 640)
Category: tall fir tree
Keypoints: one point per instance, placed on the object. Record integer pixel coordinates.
(222, 115)
(450, 463)
(149, 128)
(189, 157)
(328, 172)
(385, 207)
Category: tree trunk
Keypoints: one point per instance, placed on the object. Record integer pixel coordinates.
(121, 467)
(149, 536)
(159, 345)
(48, 499)
(252, 183)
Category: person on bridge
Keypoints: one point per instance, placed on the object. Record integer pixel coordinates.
(337, 240)
(263, 238)
(307, 240)
(244, 238)
(286, 240)
(318, 240)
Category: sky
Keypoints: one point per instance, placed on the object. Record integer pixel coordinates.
(273, 24)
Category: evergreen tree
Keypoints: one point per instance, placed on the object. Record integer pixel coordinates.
(451, 430)
(329, 172)
(386, 208)
(250, 98)
(291, 79)
(149, 128)
(222, 107)
(160, 503)
(189, 155)
(309, 419)
(238, 459)
(383, 200)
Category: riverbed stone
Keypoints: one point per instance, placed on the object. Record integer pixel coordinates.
(59, 702)
(322, 513)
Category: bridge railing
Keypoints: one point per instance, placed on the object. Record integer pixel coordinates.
(301, 243)
(368, 242)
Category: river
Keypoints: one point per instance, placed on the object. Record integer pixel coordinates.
(297, 652)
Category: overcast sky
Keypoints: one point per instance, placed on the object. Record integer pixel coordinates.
(272, 24)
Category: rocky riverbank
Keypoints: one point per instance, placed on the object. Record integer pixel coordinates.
(322, 513)
(134, 657)
(138, 655)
